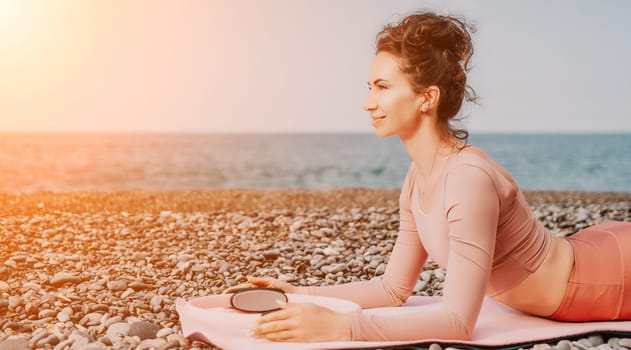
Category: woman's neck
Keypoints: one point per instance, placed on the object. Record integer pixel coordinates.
(427, 149)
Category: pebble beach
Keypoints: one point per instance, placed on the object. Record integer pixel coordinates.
(102, 270)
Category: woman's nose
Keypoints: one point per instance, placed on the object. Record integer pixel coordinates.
(369, 104)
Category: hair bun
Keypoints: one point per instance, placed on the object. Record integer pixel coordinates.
(453, 38)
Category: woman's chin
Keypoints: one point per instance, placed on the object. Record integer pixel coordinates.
(382, 133)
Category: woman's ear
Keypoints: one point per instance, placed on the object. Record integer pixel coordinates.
(432, 97)
(429, 99)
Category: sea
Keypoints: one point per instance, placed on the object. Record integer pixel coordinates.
(107, 162)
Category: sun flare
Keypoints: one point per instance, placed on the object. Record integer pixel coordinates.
(10, 14)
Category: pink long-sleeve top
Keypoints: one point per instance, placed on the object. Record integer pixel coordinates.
(479, 227)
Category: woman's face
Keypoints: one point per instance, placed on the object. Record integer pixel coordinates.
(392, 104)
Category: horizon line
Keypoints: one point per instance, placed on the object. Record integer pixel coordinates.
(280, 132)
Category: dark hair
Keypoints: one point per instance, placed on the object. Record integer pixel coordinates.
(434, 50)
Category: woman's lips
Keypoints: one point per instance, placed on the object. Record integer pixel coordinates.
(376, 120)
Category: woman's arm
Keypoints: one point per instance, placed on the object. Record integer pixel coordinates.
(472, 209)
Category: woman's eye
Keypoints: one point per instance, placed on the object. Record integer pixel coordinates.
(382, 87)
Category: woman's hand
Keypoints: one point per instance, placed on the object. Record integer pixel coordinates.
(303, 322)
(267, 282)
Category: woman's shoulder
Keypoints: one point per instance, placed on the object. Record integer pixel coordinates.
(475, 157)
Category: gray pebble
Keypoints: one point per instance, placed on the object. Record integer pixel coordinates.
(328, 251)
(14, 301)
(613, 342)
(333, 268)
(117, 330)
(127, 293)
(62, 278)
(117, 285)
(132, 341)
(295, 226)
(110, 321)
(625, 342)
(11, 325)
(64, 315)
(151, 344)
(47, 313)
(32, 285)
(420, 286)
(564, 345)
(37, 335)
(185, 257)
(143, 330)
(136, 285)
(94, 346)
(184, 265)
(271, 254)
(380, 270)
(178, 338)
(596, 340)
(79, 340)
(156, 301)
(171, 344)
(426, 275)
(91, 319)
(542, 346)
(440, 275)
(95, 286)
(286, 277)
(139, 256)
(64, 344)
(223, 268)
(164, 332)
(435, 346)
(15, 344)
(582, 344)
(52, 339)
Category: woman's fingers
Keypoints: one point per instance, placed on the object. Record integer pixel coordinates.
(287, 335)
(272, 327)
(279, 315)
(252, 282)
(274, 322)
(269, 282)
(267, 329)
(242, 285)
(261, 281)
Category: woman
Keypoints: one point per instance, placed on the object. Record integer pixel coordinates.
(463, 209)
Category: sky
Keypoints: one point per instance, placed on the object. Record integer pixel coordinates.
(224, 66)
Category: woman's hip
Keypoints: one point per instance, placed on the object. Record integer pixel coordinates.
(599, 287)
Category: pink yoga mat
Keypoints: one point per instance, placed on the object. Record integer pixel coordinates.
(209, 320)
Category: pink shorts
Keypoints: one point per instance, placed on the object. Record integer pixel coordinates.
(599, 287)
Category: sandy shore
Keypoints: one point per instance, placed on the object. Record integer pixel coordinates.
(102, 270)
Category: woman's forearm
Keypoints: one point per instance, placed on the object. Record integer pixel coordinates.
(368, 294)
